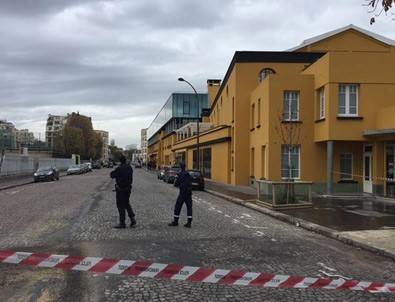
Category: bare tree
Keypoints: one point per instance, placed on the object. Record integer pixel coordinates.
(290, 132)
(378, 7)
(289, 128)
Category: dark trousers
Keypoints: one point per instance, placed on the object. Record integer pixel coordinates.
(123, 204)
(187, 198)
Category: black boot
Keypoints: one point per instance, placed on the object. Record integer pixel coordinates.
(189, 223)
(132, 222)
(174, 222)
(120, 226)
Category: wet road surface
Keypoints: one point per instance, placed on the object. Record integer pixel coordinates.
(338, 214)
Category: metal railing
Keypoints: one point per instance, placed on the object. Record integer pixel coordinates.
(284, 194)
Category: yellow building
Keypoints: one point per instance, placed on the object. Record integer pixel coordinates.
(323, 111)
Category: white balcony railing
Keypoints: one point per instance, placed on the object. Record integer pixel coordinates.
(190, 130)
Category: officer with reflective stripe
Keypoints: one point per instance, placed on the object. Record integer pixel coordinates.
(184, 183)
(123, 175)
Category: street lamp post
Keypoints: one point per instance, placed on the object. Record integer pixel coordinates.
(197, 123)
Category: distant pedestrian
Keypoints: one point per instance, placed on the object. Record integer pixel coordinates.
(184, 183)
(123, 175)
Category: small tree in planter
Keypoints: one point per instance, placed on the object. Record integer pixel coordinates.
(289, 128)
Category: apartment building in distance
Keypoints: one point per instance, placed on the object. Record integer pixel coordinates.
(24, 136)
(105, 149)
(336, 89)
(12, 138)
(54, 126)
(143, 145)
(8, 139)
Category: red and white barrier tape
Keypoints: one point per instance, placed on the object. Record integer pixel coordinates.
(362, 176)
(186, 273)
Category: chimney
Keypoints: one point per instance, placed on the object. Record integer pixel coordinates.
(212, 89)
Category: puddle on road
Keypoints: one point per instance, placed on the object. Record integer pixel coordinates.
(369, 213)
(348, 215)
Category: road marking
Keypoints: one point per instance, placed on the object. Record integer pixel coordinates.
(326, 267)
(259, 233)
(13, 192)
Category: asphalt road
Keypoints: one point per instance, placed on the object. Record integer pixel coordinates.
(76, 215)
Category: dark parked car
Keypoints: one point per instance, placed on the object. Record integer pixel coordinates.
(46, 173)
(197, 179)
(161, 172)
(75, 169)
(87, 167)
(170, 173)
(96, 165)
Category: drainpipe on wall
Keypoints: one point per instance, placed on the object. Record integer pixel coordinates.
(329, 168)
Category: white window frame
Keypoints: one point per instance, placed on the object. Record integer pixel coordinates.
(347, 90)
(291, 98)
(345, 175)
(322, 103)
(295, 172)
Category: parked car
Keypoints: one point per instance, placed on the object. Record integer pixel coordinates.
(197, 179)
(75, 169)
(87, 167)
(170, 173)
(46, 173)
(137, 164)
(96, 165)
(110, 164)
(161, 172)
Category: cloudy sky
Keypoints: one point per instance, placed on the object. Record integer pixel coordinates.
(118, 61)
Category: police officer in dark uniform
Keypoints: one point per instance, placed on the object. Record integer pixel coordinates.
(123, 175)
(184, 183)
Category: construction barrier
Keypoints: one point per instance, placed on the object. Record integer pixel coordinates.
(187, 273)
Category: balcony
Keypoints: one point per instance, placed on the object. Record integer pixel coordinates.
(190, 130)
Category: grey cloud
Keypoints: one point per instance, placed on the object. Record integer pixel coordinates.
(25, 8)
(122, 58)
(183, 14)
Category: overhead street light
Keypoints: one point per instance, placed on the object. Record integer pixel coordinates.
(197, 123)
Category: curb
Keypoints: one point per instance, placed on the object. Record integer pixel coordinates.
(24, 183)
(306, 225)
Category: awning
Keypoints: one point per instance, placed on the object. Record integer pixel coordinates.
(378, 132)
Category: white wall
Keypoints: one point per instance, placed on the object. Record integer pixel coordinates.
(15, 164)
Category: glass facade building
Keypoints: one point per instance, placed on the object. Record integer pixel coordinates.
(179, 110)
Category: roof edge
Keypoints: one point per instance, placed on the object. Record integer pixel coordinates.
(340, 30)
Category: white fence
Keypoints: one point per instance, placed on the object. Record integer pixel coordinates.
(15, 164)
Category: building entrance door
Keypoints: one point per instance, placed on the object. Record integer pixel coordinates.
(368, 169)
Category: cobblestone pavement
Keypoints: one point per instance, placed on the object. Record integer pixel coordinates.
(224, 235)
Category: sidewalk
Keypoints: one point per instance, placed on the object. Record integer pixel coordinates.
(7, 183)
(381, 241)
